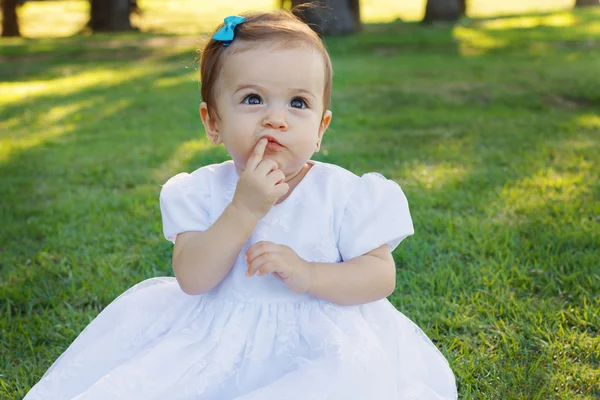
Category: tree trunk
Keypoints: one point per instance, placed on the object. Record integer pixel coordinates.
(110, 15)
(587, 3)
(462, 7)
(330, 17)
(10, 21)
(442, 10)
(355, 10)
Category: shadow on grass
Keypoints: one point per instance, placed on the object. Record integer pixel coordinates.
(56, 61)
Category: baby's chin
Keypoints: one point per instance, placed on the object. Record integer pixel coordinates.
(270, 155)
(288, 167)
(241, 164)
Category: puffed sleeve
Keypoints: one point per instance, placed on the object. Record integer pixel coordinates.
(184, 204)
(376, 213)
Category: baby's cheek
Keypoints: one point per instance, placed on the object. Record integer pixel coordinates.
(237, 145)
(239, 159)
(238, 153)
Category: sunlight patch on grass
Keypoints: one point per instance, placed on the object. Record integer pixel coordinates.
(14, 92)
(592, 28)
(55, 123)
(588, 120)
(112, 108)
(537, 192)
(13, 128)
(556, 20)
(577, 371)
(579, 144)
(438, 175)
(10, 145)
(58, 113)
(180, 158)
(474, 41)
(175, 80)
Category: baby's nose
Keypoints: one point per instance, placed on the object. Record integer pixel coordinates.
(275, 118)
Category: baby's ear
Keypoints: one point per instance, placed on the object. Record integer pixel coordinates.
(325, 121)
(211, 125)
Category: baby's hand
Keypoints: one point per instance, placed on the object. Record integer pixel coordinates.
(260, 185)
(267, 257)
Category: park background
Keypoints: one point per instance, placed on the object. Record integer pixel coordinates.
(489, 119)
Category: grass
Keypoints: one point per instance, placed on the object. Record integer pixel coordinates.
(492, 128)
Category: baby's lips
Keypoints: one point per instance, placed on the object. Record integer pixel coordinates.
(272, 139)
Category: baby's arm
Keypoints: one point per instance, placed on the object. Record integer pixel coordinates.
(363, 279)
(202, 259)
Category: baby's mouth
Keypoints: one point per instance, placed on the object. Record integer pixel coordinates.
(273, 143)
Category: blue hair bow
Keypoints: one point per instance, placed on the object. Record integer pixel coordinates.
(226, 33)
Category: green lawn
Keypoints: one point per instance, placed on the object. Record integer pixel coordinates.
(492, 128)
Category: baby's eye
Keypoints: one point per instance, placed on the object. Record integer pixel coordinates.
(298, 103)
(252, 99)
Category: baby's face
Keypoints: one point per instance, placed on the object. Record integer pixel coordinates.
(274, 93)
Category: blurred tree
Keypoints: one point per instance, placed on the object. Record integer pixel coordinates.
(328, 17)
(462, 7)
(587, 3)
(10, 20)
(443, 10)
(111, 15)
(355, 9)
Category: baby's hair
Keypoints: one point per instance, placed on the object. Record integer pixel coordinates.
(278, 28)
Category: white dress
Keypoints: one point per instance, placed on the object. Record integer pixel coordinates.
(253, 338)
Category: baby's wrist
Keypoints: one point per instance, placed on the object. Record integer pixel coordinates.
(311, 272)
(243, 214)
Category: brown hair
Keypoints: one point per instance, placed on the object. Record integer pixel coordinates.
(280, 27)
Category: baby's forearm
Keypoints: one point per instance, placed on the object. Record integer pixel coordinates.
(202, 259)
(361, 280)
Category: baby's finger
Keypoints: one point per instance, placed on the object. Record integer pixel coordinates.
(275, 177)
(267, 268)
(257, 154)
(276, 275)
(256, 250)
(282, 188)
(265, 167)
(257, 263)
